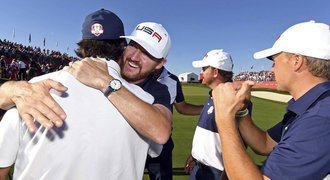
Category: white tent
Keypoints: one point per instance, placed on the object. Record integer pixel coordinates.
(188, 77)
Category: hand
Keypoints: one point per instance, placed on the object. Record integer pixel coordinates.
(246, 98)
(92, 73)
(190, 163)
(231, 98)
(33, 101)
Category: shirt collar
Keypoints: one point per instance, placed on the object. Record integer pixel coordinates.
(164, 73)
(304, 102)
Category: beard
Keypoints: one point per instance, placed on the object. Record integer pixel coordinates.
(134, 78)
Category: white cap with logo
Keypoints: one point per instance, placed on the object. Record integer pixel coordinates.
(216, 58)
(153, 37)
(307, 38)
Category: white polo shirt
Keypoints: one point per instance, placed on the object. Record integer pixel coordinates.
(95, 142)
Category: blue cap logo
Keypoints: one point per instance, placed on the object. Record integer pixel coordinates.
(97, 29)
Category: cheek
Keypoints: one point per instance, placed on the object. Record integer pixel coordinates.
(148, 65)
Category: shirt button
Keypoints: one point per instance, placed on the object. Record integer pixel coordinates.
(286, 128)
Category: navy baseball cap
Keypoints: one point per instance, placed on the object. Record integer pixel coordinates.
(102, 25)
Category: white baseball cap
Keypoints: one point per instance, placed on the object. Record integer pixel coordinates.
(216, 58)
(307, 38)
(153, 37)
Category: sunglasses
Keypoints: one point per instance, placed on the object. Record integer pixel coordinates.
(204, 68)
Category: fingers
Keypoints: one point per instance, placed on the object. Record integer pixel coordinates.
(189, 167)
(37, 108)
(29, 121)
(34, 102)
(244, 91)
(55, 85)
(247, 85)
(52, 110)
(49, 112)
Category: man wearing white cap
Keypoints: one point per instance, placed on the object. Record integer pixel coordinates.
(147, 50)
(297, 147)
(217, 66)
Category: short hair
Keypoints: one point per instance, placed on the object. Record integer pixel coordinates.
(227, 75)
(110, 49)
(318, 67)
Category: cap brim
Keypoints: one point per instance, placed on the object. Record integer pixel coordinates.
(145, 45)
(267, 53)
(199, 64)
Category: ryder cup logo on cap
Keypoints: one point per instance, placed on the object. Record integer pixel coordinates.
(153, 37)
(308, 38)
(102, 25)
(216, 58)
(97, 29)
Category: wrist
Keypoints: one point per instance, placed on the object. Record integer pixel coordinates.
(104, 84)
(114, 85)
(242, 113)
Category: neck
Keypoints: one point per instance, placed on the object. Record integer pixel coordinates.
(302, 86)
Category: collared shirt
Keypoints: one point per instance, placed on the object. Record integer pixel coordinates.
(157, 90)
(206, 146)
(303, 138)
(173, 84)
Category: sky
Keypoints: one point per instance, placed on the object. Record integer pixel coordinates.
(239, 27)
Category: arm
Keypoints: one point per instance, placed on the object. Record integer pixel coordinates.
(4, 172)
(256, 138)
(33, 100)
(181, 105)
(190, 164)
(152, 121)
(227, 102)
(187, 108)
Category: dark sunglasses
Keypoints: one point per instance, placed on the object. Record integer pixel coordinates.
(204, 68)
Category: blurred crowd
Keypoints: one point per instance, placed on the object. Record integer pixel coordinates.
(255, 76)
(19, 62)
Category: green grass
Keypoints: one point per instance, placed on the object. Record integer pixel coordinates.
(265, 114)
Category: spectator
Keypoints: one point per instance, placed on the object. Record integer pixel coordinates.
(3, 67)
(21, 70)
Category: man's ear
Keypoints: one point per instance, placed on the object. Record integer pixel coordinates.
(298, 62)
(161, 63)
(215, 72)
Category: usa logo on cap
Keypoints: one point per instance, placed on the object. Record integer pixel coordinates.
(97, 29)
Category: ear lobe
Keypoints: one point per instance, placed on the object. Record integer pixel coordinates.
(298, 62)
(161, 64)
(215, 72)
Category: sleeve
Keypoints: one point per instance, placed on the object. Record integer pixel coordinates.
(275, 132)
(9, 137)
(303, 150)
(154, 149)
(179, 93)
(161, 95)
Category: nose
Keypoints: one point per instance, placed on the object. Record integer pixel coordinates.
(136, 53)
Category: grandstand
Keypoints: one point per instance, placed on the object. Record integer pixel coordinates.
(263, 79)
(38, 60)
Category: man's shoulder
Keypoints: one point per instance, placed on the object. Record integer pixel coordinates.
(153, 84)
(52, 75)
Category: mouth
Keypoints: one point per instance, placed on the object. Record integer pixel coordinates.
(133, 65)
